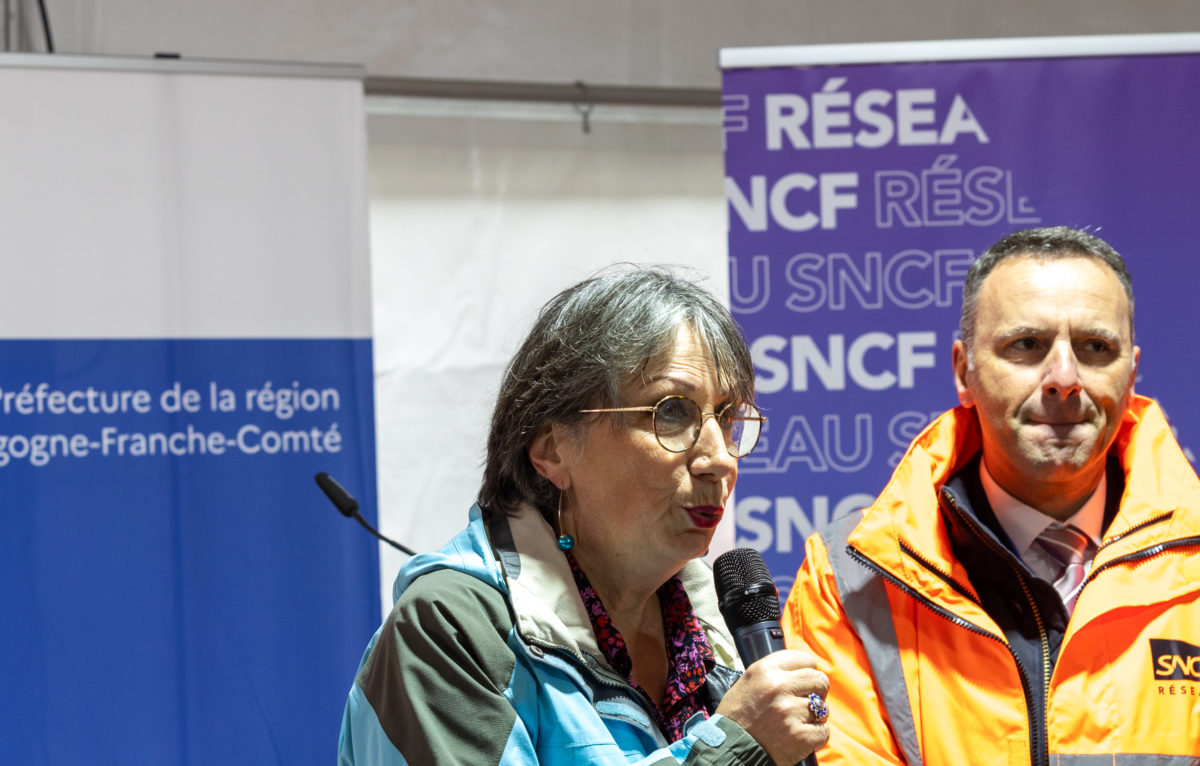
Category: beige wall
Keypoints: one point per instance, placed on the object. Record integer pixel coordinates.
(625, 42)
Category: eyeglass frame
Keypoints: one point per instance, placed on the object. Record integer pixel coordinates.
(653, 410)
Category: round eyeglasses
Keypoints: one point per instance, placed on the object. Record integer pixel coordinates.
(677, 422)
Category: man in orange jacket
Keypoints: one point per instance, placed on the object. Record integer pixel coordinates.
(1026, 589)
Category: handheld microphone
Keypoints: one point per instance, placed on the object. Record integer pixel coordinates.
(348, 507)
(749, 602)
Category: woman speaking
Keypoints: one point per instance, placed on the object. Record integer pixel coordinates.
(571, 622)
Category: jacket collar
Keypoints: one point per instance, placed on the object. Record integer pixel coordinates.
(903, 531)
(546, 603)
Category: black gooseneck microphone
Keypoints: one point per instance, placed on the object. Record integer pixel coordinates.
(348, 506)
(749, 603)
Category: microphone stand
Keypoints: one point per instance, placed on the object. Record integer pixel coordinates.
(348, 506)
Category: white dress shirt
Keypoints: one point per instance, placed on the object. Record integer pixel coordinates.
(1023, 523)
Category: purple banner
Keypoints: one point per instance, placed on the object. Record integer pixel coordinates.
(858, 196)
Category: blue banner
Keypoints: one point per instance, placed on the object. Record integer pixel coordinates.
(858, 196)
(185, 341)
(176, 585)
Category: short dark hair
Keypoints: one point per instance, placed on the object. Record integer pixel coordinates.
(585, 344)
(1047, 243)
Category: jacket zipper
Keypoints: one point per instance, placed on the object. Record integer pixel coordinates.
(601, 675)
(971, 627)
(1142, 555)
(1138, 528)
(1039, 745)
(604, 676)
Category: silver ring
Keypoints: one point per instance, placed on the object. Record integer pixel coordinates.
(818, 708)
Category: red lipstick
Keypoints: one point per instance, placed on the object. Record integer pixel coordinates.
(705, 516)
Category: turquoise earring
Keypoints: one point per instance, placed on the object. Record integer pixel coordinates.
(565, 541)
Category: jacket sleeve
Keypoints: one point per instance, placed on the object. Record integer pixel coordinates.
(432, 686)
(814, 620)
(437, 686)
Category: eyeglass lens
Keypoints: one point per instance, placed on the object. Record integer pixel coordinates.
(678, 421)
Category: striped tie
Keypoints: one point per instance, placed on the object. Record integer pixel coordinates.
(1067, 545)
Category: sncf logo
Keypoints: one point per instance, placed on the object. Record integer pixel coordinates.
(1175, 660)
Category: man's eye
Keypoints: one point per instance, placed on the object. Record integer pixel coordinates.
(1096, 348)
(1024, 344)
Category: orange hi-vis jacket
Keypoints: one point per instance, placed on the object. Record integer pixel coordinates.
(927, 625)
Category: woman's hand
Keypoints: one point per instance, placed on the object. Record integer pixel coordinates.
(770, 701)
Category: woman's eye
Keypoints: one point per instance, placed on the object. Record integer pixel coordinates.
(673, 411)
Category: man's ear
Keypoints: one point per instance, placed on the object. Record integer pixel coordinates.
(1137, 355)
(547, 453)
(961, 363)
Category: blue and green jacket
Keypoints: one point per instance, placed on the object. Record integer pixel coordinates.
(488, 657)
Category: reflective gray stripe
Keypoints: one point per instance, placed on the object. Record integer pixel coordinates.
(1125, 759)
(864, 599)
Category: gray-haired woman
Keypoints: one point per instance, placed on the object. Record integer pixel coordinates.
(571, 622)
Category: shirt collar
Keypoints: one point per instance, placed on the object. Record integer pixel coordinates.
(1023, 523)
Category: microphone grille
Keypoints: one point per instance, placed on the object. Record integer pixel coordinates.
(747, 593)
